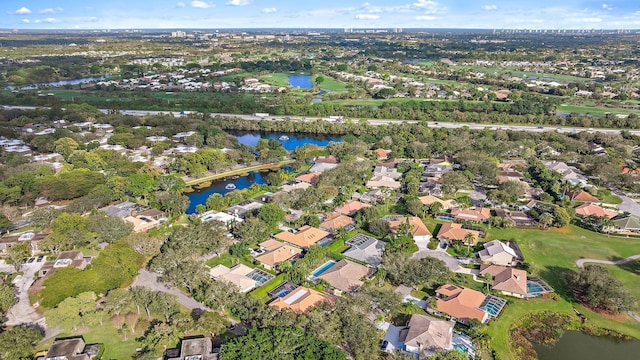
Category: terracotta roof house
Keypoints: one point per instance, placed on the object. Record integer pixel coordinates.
(582, 196)
(350, 207)
(430, 199)
(419, 231)
(237, 275)
(594, 210)
(498, 253)
(461, 303)
(365, 249)
(454, 232)
(310, 178)
(382, 153)
(335, 221)
(200, 348)
(301, 300)
(276, 252)
(329, 159)
(345, 275)
(304, 237)
(72, 349)
(518, 218)
(509, 281)
(475, 214)
(510, 175)
(425, 335)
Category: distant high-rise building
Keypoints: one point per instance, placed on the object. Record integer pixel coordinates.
(178, 34)
(348, 30)
(397, 30)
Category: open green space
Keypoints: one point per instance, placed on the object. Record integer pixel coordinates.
(332, 84)
(229, 261)
(597, 111)
(278, 79)
(261, 292)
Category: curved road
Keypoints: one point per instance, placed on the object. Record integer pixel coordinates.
(580, 263)
(151, 281)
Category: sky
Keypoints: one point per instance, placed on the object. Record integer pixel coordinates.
(221, 14)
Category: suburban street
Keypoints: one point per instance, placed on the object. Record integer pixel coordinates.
(151, 281)
(22, 312)
(374, 122)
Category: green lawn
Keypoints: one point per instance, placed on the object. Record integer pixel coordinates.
(229, 261)
(277, 79)
(332, 84)
(551, 255)
(261, 292)
(612, 199)
(594, 110)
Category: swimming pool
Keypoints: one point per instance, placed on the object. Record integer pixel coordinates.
(492, 309)
(326, 266)
(533, 288)
(461, 348)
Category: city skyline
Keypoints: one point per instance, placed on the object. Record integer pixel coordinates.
(220, 14)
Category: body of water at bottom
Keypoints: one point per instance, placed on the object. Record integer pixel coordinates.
(576, 345)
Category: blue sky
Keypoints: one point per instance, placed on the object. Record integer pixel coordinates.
(219, 14)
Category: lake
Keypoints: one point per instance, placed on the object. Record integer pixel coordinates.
(293, 141)
(300, 81)
(576, 345)
(59, 83)
(200, 196)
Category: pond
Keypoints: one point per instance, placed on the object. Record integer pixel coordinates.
(289, 141)
(59, 83)
(200, 196)
(576, 345)
(300, 81)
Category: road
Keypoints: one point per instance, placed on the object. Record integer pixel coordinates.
(22, 312)
(374, 122)
(580, 263)
(151, 281)
(451, 262)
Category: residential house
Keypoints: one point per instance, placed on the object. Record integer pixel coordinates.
(582, 196)
(275, 252)
(350, 207)
(244, 208)
(65, 259)
(310, 178)
(322, 167)
(33, 238)
(227, 219)
(329, 159)
(371, 197)
(569, 173)
(588, 209)
(72, 349)
(387, 171)
(430, 199)
(199, 348)
(479, 214)
(365, 249)
(383, 181)
(296, 186)
(335, 221)
(460, 303)
(437, 170)
(123, 209)
(517, 218)
(304, 237)
(345, 275)
(430, 187)
(626, 223)
(417, 229)
(242, 276)
(382, 153)
(451, 232)
(425, 335)
(498, 253)
(511, 175)
(142, 223)
(301, 300)
(509, 281)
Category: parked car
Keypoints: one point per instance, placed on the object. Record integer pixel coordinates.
(39, 259)
(383, 345)
(31, 259)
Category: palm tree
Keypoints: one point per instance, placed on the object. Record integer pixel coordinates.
(606, 224)
(546, 219)
(468, 239)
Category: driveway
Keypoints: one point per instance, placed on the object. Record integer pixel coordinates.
(22, 312)
(451, 262)
(151, 281)
(629, 205)
(393, 337)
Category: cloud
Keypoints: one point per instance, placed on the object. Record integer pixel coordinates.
(22, 11)
(269, 10)
(26, 21)
(181, 4)
(591, 20)
(367, 17)
(51, 11)
(425, 18)
(489, 7)
(47, 21)
(239, 2)
(201, 4)
(607, 7)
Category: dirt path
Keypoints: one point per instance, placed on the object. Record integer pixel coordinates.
(580, 263)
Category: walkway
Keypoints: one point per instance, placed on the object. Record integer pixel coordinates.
(151, 281)
(580, 263)
(451, 262)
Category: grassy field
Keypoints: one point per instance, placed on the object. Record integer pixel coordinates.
(277, 79)
(261, 292)
(229, 261)
(598, 111)
(332, 84)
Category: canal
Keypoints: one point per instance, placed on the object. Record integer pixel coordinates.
(576, 345)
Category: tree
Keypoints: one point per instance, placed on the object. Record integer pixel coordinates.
(271, 214)
(435, 208)
(379, 227)
(546, 219)
(601, 291)
(415, 207)
(319, 80)
(562, 217)
(7, 297)
(108, 228)
(252, 230)
(17, 343)
(117, 301)
(171, 202)
(18, 253)
(140, 185)
(74, 312)
(453, 181)
(65, 146)
(403, 269)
